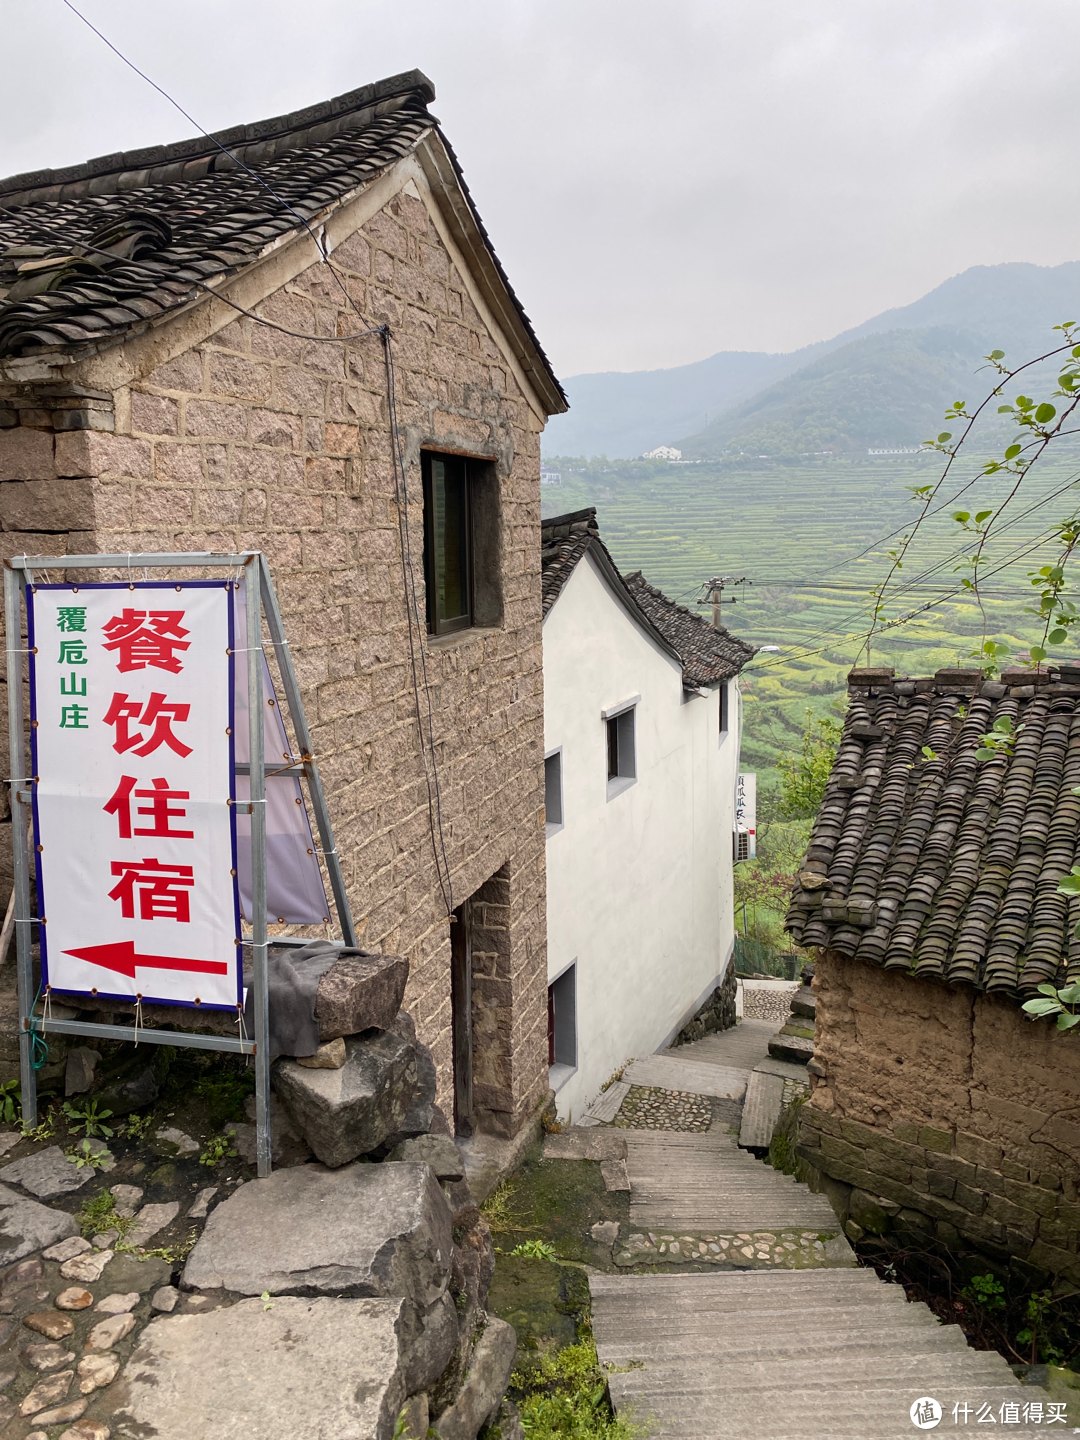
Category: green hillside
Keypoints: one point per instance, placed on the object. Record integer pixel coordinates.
(796, 531)
(881, 390)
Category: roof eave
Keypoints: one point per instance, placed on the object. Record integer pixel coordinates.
(447, 181)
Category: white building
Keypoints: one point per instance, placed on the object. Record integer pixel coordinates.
(663, 452)
(641, 725)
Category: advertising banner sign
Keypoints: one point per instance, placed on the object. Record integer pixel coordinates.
(132, 744)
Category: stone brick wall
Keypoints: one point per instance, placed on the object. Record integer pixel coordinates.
(945, 1113)
(252, 439)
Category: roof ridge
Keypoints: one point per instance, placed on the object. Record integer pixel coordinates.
(237, 139)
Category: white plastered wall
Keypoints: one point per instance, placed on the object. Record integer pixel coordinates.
(639, 886)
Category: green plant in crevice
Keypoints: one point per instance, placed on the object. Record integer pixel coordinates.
(86, 1154)
(565, 1398)
(218, 1148)
(136, 1127)
(536, 1250)
(10, 1102)
(986, 1291)
(1000, 739)
(88, 1118)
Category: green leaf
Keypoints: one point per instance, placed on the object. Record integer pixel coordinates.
(982, 515)
(1041, 1007)
(1013, 450)
(1045, 413)
(961, 516)
(996, 355)
(1066, 1022)
(1038, 654)
(945, 435)
(1005, 410)
(1069, 886)
(1004, 725)
(1057, 637)
(1071, 994)
(1050, 990)
(985, 754)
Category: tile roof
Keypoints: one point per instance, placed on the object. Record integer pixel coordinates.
(188, 213)
(707, 656)
(926, 860)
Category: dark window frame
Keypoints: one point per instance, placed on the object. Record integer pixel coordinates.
(562, 1022)
(621, 747)
(449, 626)
(553, 782)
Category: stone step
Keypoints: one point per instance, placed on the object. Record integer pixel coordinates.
(886, 1340)
(744, 1376)
(804, 1002)
(761, 1109)
(606, 1105)
(633, 1329)
(692, 1289)
(666, 1072)
(791, 1047)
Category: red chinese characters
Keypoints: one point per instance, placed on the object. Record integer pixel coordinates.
(159, 808)
(156, 712)
(163, 889)
(147, 637)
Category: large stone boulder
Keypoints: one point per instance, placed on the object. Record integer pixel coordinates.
(307, 1369)
(366, 1230)
(360, 992)
(382, 1093)
(26, 1226)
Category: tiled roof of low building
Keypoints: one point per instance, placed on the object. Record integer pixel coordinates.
(707, 656)
(927, 860)
(97, 251)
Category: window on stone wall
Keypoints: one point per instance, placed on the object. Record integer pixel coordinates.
(562, 1026)
(553, 798)
(461, 543)
(621, 751)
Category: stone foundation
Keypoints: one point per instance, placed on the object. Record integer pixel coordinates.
(718, 1012)
(944, 1112)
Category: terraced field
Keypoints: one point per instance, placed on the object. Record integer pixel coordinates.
(811, 539)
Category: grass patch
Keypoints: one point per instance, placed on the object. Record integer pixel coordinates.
(564, 1397)
(98, 1214)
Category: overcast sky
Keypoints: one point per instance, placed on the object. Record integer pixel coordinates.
(661, 180)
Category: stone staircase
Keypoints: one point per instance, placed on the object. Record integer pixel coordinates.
(795, 1042)
(832, 1354)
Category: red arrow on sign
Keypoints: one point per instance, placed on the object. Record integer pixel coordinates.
(122, 958)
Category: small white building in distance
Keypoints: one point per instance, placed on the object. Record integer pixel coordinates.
(663, 452)
(641, 734)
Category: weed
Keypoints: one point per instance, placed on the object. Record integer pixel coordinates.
(536, 1250)
(10, 1102)
(218, 1148)
(985, 1290)
(615, 1075)
(99, 1214)
(86, 1155)
(461, 1302)
(267, 1303)
(175, 1255)
(565, 1398)
(44, 1130)
(136, 1127)
(88, 1118)
(497, 1210)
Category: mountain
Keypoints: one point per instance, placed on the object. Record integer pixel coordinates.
(1009, 307)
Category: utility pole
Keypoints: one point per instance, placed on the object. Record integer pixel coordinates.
(713, 593)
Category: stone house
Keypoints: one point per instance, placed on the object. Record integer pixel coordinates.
(641, 726)
(929, 896)
(192, 359)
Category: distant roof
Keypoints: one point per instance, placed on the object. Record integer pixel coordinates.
(707, 656)
(926, 860)
(187, 212)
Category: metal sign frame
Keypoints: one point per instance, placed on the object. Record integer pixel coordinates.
(261, 603)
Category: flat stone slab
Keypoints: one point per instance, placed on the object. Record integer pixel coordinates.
(783, 1047)
(761, 1109)
(664, 1072)
(360, 992)
(47, 1174)
(27, 1226)
(585, 1144)
(364, 1230)
(786, 1069)
(606, 1105)
(308, 1369)
(614, 1175)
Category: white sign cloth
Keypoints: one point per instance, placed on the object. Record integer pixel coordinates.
(131, 693)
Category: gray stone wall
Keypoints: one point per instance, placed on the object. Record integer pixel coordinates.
(945, 1112)
(252, 439)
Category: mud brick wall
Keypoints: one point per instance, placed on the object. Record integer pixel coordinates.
(253, 439)
(941, 1111)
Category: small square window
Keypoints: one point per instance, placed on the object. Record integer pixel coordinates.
(562, 1024)
(621, 751)
(553, 800)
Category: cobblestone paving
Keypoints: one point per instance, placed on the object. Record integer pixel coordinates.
(786, 1249)
(651, 1109)
(767, 1004)
(795, 1090)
